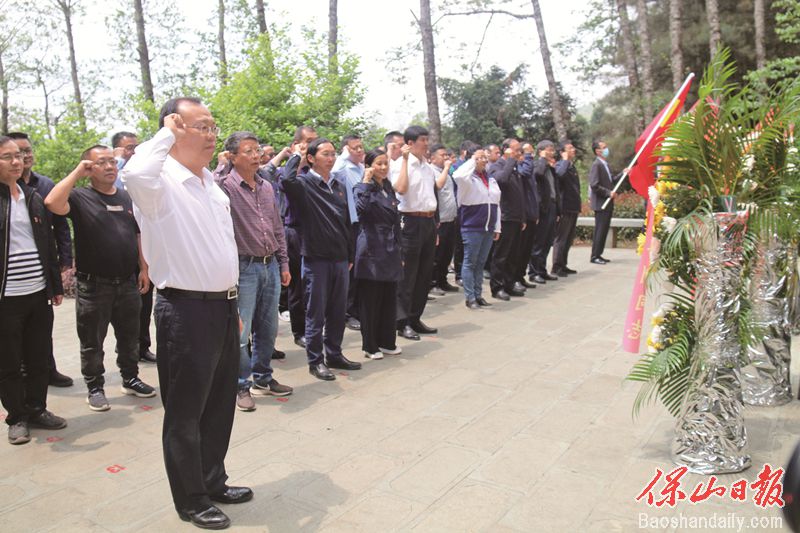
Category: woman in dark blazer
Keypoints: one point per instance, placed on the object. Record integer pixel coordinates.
(377, 263)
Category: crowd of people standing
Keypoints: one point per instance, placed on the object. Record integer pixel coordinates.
(339, 237)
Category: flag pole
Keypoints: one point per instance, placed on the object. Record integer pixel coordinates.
(649, 138)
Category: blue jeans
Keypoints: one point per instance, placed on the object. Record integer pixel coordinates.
(259, 289)
(476, 249)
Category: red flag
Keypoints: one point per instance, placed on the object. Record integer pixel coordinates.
(643, 173)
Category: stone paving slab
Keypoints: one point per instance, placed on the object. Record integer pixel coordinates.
(514, 418)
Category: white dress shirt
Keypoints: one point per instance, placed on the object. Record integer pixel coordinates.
(186, 225)
(421, 182)
(25, 274)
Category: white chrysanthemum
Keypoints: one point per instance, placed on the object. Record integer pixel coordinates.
(655, 248)
(652, 192)
(668, 223)
(655, 334)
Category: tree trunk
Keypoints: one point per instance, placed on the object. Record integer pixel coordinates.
(261, 16)
(758, 15)
(4, 104)
(429, 68)
(333, 36)
(223, 62)
(66, 8)
(714, 32)
(647, 58)
(144, 57)
(559, 118)
(676, 54)
(630, 60)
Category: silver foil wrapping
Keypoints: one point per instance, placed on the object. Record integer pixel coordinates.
(765, 380)
(710, 436)
(794, 290)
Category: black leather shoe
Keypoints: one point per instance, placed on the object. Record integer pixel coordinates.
(301, 342)
(604, 259)
(353, 323)
(539, 279)
(482, 302)
(515, 292)
(519, 287)
(407, 333)
(528, 285)
(501, 295)
(597, 261)
(320, 371)
(420, 327)
(548, 277)
(147, 356)
(57, 379)
(209, 518)
(472, 304)
(277, 354)
(342, 363)
(233, 495)
(570, 271)
(446, 287)
(559, 273)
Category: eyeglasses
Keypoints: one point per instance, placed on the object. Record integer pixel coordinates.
(106, 162)
(205, 130)
(26, 151)
(10, 157)
(249, 153)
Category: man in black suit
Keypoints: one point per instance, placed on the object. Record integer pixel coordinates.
(601, 184)
(549, 211)
(570, 186)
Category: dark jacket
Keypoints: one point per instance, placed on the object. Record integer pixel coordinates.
(512, 199)
(547, 199)
(42, 235)
(324, 219)
(378, 243)
(43, 185)
(600, 184)
(525, 169)
(570, 183)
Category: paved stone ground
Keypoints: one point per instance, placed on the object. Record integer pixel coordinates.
(511, 419)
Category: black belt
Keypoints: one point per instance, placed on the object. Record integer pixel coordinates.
(264, 260)
(82, 276)
(170, 292)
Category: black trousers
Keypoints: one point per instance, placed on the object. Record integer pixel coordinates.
(352, 287)
(458, 252)
(444, 252)
(144, 321)
(505, 254)
(526, 239)
(543, 241)
(418, 247)
(378, 314)
(602, 222)
(198, 366)
(26, 339)
(98, 304)
(565, 235)
(296, 291)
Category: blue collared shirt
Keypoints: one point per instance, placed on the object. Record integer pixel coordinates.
(350, 174)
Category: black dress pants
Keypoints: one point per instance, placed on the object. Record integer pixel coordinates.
(602, 223)
(418, 247)
(144, 321)
(458, 252)
(378, 314)
(526, 239)
(565, 235)
(198, 367)
(352, 287)
(504, 258)
(444, 252)
(296, 290)
(545, 232)
(26, 339)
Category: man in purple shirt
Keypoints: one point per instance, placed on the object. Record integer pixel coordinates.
(263, 267)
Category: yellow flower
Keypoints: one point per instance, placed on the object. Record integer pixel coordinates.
(640, 243)
(657, 320)
(658, 214)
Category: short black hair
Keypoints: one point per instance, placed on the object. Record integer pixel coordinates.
(465, 145)
(171, 106)
(85, 154)
(5, 139)
(507, 144)
(350, 137)
(235, 139)
(298, 133)
(116, 139)
(18, 135)
(372, 155)
(438, 146)
(544, 145)
(563, 145)
(596, 145)
(389, 136)
(413, 133)
(471, 149)
(314, 145)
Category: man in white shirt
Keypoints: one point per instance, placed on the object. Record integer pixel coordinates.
(188, 241)
(414, 180)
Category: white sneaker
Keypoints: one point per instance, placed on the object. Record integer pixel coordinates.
(284, 316)
(376, 355)
(395, 351)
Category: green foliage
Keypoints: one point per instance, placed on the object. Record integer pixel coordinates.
(58, 155)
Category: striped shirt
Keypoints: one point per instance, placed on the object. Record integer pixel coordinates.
(25, 272)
